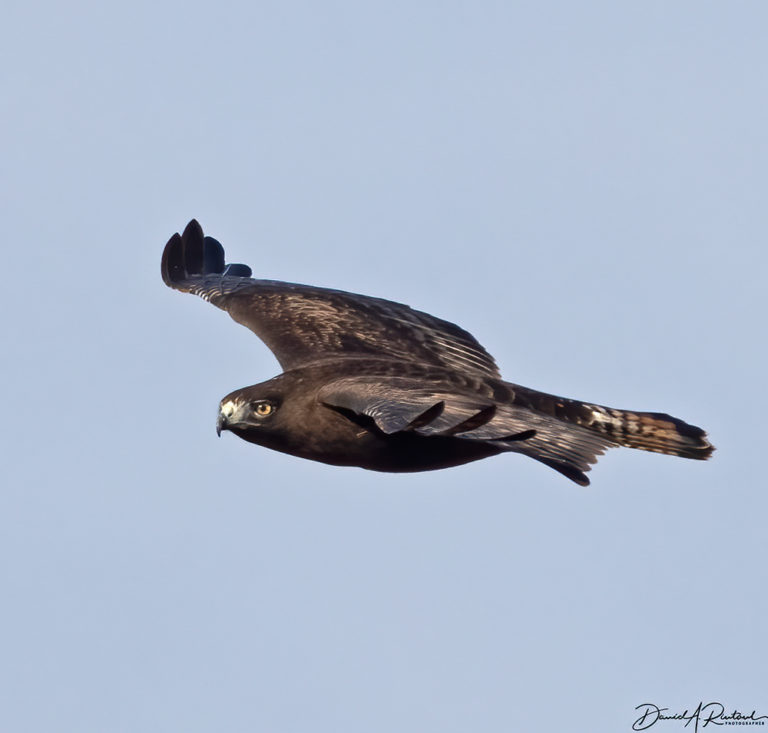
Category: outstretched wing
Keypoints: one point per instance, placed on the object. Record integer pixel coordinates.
(303, 324)
(399, 404)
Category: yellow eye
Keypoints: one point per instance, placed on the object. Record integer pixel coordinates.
(263, 409)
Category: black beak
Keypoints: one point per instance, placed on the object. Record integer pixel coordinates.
(221, 424)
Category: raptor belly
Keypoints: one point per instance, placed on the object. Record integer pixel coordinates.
(369, 448)
(403, 452)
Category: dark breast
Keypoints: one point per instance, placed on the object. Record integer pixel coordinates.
(345, 439)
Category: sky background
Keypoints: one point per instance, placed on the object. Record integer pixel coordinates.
(581, 185)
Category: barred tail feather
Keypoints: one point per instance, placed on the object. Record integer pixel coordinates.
(559, 449)
(651, 431)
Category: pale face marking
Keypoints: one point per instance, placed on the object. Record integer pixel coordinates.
(228, 408)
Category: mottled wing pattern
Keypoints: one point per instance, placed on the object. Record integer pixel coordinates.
(303, 324)
(398, 404)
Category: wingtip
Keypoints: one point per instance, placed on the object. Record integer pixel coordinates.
(191, 255)
(192, 231)
(567, 469)
(182, 254)
(172, 246)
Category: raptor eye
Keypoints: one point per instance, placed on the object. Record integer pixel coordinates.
(262, 409)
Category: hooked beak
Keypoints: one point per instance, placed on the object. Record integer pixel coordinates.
(230, 413)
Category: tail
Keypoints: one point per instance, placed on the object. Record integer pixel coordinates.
(652, 431)
(573, 434)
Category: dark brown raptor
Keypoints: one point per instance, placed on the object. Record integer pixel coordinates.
(376, 384)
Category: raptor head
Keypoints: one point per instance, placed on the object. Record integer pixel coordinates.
(251, 411)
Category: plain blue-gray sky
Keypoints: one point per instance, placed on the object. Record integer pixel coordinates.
(581, 185)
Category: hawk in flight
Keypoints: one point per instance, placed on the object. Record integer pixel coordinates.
(376, 384)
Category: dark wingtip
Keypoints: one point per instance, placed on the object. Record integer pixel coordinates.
(236, 270)
(525, 435)
(192, 231)
(193, 243)
(192, 254)
(568, 470)
(172, 263)
(426, 417)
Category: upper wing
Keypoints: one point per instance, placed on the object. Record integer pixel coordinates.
(303, 324)
(398, 404)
